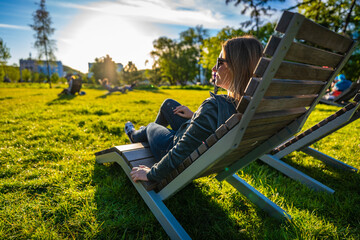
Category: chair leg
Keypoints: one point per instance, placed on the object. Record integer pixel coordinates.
(171, 226)
(327, 159)
(294, 173)
(257, 198)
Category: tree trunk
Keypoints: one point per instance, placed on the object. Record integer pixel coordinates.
(48, 66)
(348, 16)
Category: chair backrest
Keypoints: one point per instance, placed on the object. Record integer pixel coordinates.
(76, 86)
(349, 93)
(298, 65)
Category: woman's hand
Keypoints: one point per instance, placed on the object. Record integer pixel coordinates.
(183, 111)
(140, 173)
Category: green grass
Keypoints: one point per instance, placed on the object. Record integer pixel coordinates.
(51, 187)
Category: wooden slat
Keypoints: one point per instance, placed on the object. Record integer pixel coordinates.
(304, 54)
(194, 155)
(133, 146)
(122, 148)
(316, 34)
(266, 128)
(252, 85)
(202, 148)
(137, 154)
(283, 87)
(243, 103)
(221, 131)
(286, 87)
(296, 71)
(277, 116)
(250, 139)
(149, 162)
(233, 120)
(276, 104)
(211, 140)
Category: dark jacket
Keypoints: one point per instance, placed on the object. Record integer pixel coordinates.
(213, 112)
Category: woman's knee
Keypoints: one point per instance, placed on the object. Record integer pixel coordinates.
(169, 104)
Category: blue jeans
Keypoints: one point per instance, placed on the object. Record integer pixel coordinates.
(159, 137)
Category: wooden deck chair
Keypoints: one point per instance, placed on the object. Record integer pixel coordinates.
(302, 142)
(287, 84)
(345, 96)
(76, 86)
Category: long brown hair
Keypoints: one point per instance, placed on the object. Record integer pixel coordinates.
(242, 55)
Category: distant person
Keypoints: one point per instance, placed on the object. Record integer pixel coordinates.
(7, 79)
(339, 85)
(130, 87)
(75, 84)
(105, 83)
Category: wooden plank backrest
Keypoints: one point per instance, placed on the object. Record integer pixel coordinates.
(309, 62)
(316, 34)
(286, 84)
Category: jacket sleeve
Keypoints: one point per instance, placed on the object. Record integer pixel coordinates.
(202, 125)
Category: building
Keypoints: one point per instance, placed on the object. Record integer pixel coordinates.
(41, 67)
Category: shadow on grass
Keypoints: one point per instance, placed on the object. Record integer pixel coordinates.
(5, 98)
(120, 93)
(343, 204)
(123, 213)
(61, 100)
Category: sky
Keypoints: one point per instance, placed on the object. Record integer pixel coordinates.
(123, 29)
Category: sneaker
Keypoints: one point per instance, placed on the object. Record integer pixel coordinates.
(129, 129)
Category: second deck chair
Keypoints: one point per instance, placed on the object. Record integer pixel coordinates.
(302, 142)
(345, 96)
(287, 84)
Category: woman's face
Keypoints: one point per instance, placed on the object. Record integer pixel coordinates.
(223, 75)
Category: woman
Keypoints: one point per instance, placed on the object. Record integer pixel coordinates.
(233, 68)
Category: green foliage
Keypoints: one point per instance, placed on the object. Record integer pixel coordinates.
(35, 77)
(26, 75)
(4, 52)
(55, 78)
(12, 72)
(130, 74)
(105, 67)
(177, 61)
(51, 187)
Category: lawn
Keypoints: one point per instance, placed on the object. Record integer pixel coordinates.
(51, 187)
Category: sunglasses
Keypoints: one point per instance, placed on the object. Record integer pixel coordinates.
(219, 61)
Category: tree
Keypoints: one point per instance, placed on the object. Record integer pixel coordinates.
(26, 75)
(192, 39)
(4, 55)
(43, 31)
(256, 8)
(341, 16)
(177, 61)
(105, 67)
(129, 73)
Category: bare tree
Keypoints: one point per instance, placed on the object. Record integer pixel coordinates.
(256, 8)
(43, 31)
